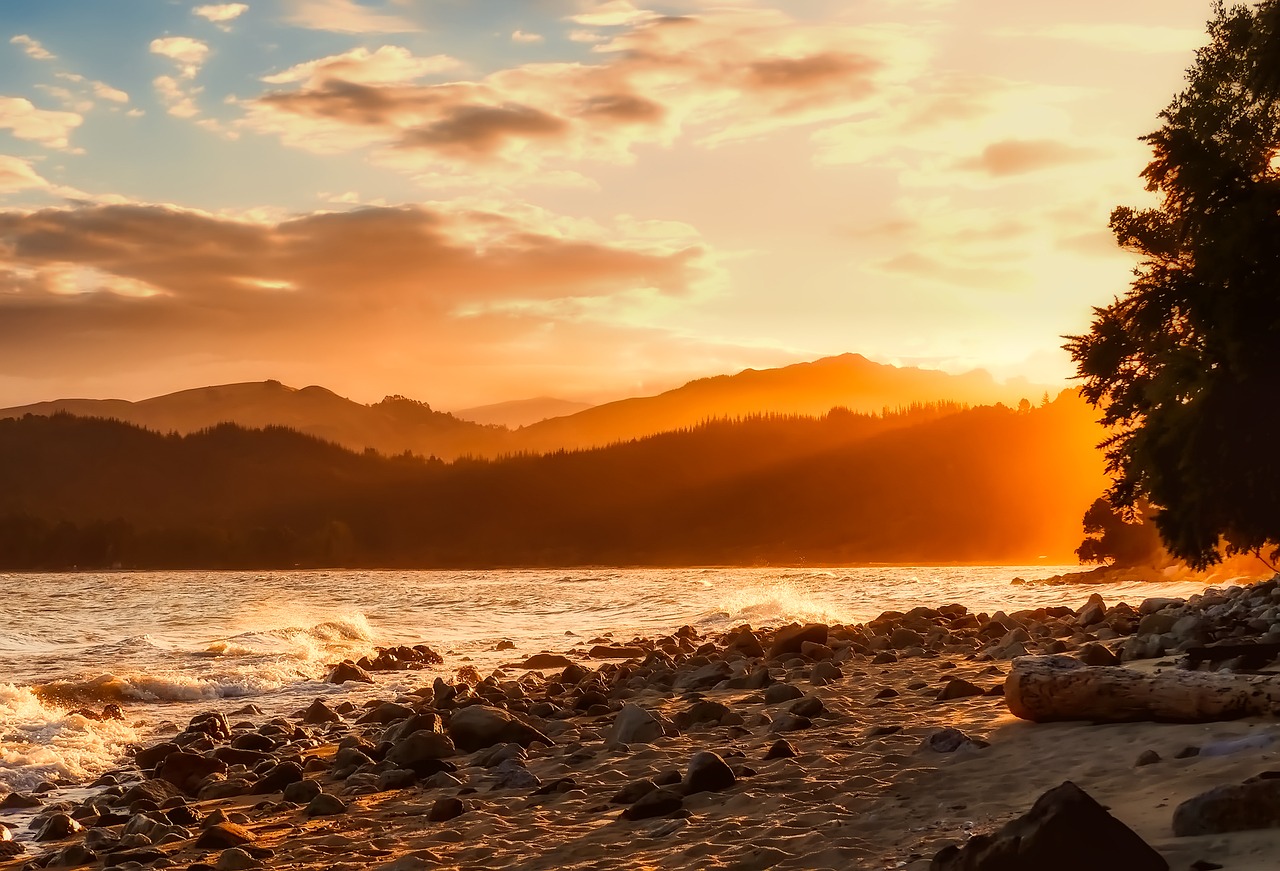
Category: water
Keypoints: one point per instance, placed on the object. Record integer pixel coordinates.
(165, 645)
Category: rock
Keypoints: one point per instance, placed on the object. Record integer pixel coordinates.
(789, 723)
(658, 803)
(708, 772)
(1093, 611)
(1254, 804)
(444, 809)
(824, 673)
(902, 638)
(17, 801)
(808, 706)
(704, 711)
(605, 651)
(744, 641)
(150, 757)
(57, 827)
(958, 688)
(780, 749)
(220, 836)
(301, 792)
(1065, 830)
(781, 692)
(511, 774)
(419, 750)
(387, 712)
(348, 671)
(633, 791)
(635, 725)
(540, 661)
(278, 778)
(229, 788)
(789, 638)
(185, 770)
(1156, 624)
(9, 849)
(326, 805)
(479, 726)
(947, 741)
(319, 712)
(706, 677)
(1093, 653)
(1147, 757)
(236, 859)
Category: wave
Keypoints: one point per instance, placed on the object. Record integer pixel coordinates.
(348, 634)
(773, 604)
(40, 741)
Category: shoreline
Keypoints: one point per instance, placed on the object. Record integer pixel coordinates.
(875, 781)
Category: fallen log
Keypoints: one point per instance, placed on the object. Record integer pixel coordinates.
(1049, 688)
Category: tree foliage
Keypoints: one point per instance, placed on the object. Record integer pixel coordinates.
(1110, 538)
(1186, 365)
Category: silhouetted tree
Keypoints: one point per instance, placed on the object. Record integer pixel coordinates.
(1109, 538)
(1185, 364)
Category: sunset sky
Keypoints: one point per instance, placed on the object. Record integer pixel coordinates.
(467, 201)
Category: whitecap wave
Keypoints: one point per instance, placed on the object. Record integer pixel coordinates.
(42, 741)
(774, 604)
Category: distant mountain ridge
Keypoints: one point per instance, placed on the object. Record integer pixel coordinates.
(397, 424)
(520, 412)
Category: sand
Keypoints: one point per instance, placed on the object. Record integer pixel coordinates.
(850, 798)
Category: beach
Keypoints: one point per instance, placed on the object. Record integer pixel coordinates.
(871, 774)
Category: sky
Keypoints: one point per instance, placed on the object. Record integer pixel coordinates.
(471, 201)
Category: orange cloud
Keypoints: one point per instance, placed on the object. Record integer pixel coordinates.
(48, 127)
(1020, 156)
(721, 76)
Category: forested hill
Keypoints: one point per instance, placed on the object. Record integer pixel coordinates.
(935, 483)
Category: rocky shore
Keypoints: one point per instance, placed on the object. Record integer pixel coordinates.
(884, 745)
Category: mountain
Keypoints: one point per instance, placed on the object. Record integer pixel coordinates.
(521, 412)
(397, 424)
(850, 381)
(392, 426)
(931, 484)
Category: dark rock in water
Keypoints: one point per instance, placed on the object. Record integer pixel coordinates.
(326, 805)
(348, 671)
(613, 651)
(633, 791)
(789, 638)
(1065, 830)
(150, 757)
(541, 661)
(781, 749)
(658, 803)
(17, 801)
(278, 778)
(744, 641)
(1254, 804)
(319, 712)
(445, 809)
(781, 692)
(301, 792)
(958, 688)
(219, 836)
(708, 772)
(1093, 653)
(57, 827)
(186, 770)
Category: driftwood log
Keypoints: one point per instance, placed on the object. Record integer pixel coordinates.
(1048, 688)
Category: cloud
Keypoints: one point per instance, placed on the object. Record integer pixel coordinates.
(717, 78)
(106, 92)
(221, 14)
(178, 99)
(16, 174)
(32, 47)
(390, 64)
(138, 285)
(189, 54)
(1021, 156)
(613, 13)
(521, 37)
(344, 16)
(1129, 38)
(48, 127)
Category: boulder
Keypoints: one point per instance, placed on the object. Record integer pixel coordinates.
(1065, 830)
(705, 677)
(186, 770)
(387, 712)
(445, 809)
(789, 638)
(635, 725)
(1093, 611)
(657, 803)
(607, 651)
(959, 688)
(348, 671)
(220, 836)
(704, 711)
(150, 757)
(1235, 807)
(318, 712)
(1094, 653)
(541, 661)
(280, 776)
(479, 726)
(326, 805)
(633, 791)
(708, 772)
(421, 748)
(57, 827)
